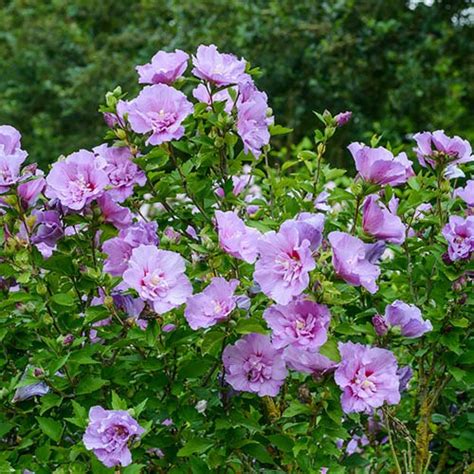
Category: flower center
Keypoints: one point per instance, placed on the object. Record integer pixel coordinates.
(161, 120)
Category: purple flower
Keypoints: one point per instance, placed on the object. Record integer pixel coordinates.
(301, 323)
(381, 223)
(164, 68)
(172, 235)
(380, 325)
(10, 169)
(202, 94)
(379, 166)
(118, 253)
(284, 263)
(191, 231)
(109, 433)
(353, 260)
(241, 182)
(368, 377)
(48, 228)
(131, 306)
(119, 216)
(11, 157)
(356, 444)
(342, 118)
(321, 202)
(219, 68)
(435, 147)
(159, 109)
(252, 123)
(119, 249)
(235, 237)
(308, 362)
(167, 422)
(158, 277)
(212, 305)
(123, 173)
(309, 226)
(10, 142)
(408, 318)
(30, 191)
(77, 180)
(168, 327)
(111, 119)
(459, 233)
(252, 364)
(466, 193)
(404, 376)
(32, 390)
(140, 233)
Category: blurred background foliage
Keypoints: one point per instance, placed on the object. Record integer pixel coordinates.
(400, 66)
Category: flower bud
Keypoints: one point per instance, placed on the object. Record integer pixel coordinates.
(380, 326)
(108, 302)
(121, 134)
(37, 372)
(68, 340)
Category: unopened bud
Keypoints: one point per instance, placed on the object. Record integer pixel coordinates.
(121, 134)
(37, 372)
(380, 325)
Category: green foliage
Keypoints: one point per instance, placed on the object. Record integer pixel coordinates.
(160, 375)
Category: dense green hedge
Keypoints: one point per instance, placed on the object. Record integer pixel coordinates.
(394, 66)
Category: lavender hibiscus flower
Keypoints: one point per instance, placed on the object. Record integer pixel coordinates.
(408, 318)
(353, 260)
(284, 263)
(163, 68)
(77, 180)
(252, 364)
(158, 277)
(368, 377)
(159, 111)
(380, 166)
(301, 323)
(219, 68)
(212, 305)
(380, 222)
(435, 147)
(108, 435)
(459, 233)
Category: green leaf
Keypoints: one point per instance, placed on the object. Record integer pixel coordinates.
(296, 408)
(5, 428)
(329, 349)
(117, 402)
(258, 452)
(282, 442)
(90, 384)
(134, 469)
(279, 130)
(49, 401)
(249, 325)
(50, 427)
(195, 446)
(63, 299)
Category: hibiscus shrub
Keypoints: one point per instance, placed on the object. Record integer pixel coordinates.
(185, 299)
